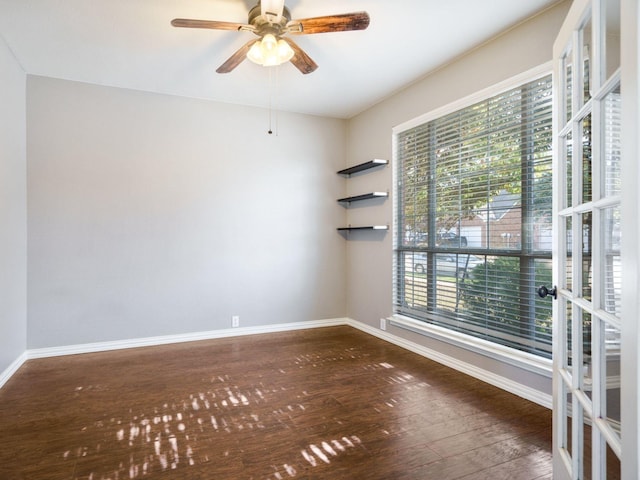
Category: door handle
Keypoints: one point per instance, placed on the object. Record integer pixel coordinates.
(543, 291)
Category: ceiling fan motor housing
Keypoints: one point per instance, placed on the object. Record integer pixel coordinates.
(263, 26)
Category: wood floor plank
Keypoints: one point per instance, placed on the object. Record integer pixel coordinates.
(323, 403)
(530, 467)
(473, 438)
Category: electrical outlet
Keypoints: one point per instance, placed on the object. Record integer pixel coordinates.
(383, 324)
(235, 321)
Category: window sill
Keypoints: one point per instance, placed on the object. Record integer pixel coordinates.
(523, 360)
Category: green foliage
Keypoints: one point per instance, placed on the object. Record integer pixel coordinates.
(491, 296)
(455, 165)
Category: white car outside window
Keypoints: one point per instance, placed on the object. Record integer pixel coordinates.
(449, 264)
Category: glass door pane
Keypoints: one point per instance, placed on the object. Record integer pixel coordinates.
(612, 124)
(612, 36)
(587, 169)
(568, 84)
(587, 265)
(587, 48)
(612, 375)
(568, 143)
(612, 266)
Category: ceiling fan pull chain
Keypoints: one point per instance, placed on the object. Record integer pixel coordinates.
(273, 93)
(270, 99)
(277, 90)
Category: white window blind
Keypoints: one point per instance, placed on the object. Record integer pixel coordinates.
(473, 219)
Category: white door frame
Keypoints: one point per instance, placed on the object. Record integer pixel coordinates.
(630, 374)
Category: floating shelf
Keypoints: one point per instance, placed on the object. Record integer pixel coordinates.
(365, 196)
(369, 227)
(376, 162)
(363, 166)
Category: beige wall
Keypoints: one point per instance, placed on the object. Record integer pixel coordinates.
(156, 215)
(370, 259)
(13, 210)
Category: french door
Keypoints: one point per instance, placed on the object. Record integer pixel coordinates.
(588, 255)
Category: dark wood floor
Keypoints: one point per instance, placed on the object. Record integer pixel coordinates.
(328, 403)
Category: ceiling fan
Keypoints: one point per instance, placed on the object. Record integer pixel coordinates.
(271, 21)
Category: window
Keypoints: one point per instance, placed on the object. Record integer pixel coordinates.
(473, 219)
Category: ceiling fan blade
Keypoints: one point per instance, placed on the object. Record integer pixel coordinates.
(300, 59)
(330, 23)
(236, 59)
(213, 24)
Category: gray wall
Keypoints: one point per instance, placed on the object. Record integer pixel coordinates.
(370, 258)
(13, 210)
(157, 215)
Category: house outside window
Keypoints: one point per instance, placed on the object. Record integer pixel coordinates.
(472, 226)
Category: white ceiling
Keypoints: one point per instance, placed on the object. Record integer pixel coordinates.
(131, 44)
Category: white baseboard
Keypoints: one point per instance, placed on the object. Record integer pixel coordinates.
(13, 368)
(491, 378)
(516, 388)
(186, 337)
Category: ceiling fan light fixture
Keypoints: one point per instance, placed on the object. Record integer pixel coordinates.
(270, 52)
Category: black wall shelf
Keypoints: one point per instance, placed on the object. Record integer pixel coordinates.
(368, 227)
(346, 201)
(365, 196)
(363, 166)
